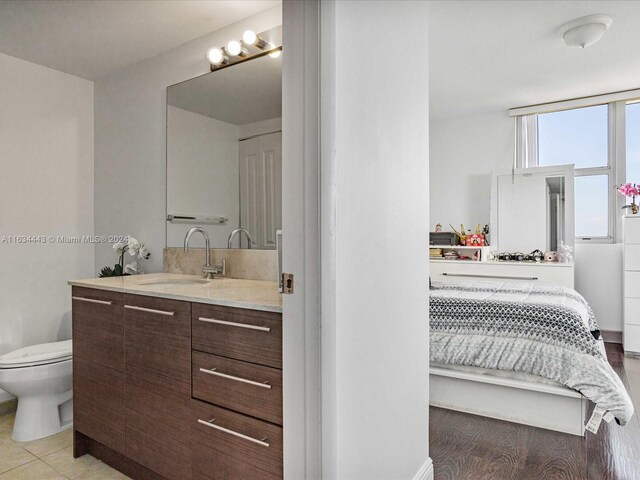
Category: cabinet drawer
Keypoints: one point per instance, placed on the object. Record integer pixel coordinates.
(632, 311)
(98, 403)
(632, 284)
(231, 446)
(98, 327)
(244, 387)
(631, 338)
(632, 257)
(248, 335)
(631, 230)
(158, 336)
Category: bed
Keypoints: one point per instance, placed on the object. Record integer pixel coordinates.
(524, 352)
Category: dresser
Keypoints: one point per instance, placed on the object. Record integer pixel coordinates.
(461, 270)
(631, 282)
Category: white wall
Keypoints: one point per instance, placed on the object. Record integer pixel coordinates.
(202, 175)
(46, 188)
(375, 350)
(130, 174)
(463, 152)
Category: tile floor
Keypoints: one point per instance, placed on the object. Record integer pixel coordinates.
(49, 458)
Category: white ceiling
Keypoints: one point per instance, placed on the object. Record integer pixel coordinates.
(92, 39)
(494, 55)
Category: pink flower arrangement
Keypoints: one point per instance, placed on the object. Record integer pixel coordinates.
(629, 190)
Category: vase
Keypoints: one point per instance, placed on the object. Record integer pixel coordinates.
(634, 208)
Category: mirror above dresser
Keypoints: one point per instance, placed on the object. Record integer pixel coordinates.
(532, 209)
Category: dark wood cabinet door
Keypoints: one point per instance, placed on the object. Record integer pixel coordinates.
(158, 384)
(247, 335)
(98, 366)
(98, 327)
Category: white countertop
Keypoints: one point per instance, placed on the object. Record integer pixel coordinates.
(251, 294)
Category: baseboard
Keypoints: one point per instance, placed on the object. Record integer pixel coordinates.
(611, 336)
(426, 471)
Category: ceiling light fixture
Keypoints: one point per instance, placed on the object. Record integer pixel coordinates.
(584, 31)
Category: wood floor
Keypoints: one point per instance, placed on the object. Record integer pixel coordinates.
(469, 447)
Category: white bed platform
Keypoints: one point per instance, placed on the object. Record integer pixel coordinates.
(553, 407)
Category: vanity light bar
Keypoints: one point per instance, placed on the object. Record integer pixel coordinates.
(235, 51)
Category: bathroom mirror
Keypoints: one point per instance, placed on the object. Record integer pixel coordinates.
(532, 209)
(224, 153)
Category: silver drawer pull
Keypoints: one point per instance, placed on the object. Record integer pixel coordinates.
(235, 434)
(149, 310)
(92, 300)
(235, 324)
(475, 275)
(213, 371)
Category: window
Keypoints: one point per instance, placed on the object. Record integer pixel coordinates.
(633, 142)
(579, 136)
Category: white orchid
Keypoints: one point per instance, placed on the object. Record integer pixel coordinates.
(119, 248)
(133, 246)
(143, 252)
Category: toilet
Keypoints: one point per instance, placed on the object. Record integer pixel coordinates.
(40, 376)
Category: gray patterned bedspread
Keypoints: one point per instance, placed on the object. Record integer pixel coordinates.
(545, 330)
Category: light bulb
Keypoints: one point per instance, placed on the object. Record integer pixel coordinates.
(234, 48)
(215, 56)
(275, 54)
(249, 37)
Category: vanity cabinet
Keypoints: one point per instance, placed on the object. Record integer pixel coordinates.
(168, 389)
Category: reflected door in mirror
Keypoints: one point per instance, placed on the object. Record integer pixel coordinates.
(261, 188)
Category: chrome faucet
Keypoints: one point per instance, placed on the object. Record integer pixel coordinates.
(208, 270)
(239, 230)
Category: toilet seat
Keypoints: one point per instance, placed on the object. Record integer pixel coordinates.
(34, 355)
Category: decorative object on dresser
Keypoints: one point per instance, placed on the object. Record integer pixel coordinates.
(462, 253)
(443, 238)
(630, 190)
(550, 256)
(631, 284)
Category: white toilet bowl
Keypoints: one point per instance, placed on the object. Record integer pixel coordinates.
(40, 376)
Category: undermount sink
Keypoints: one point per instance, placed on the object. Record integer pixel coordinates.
(176, 281)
